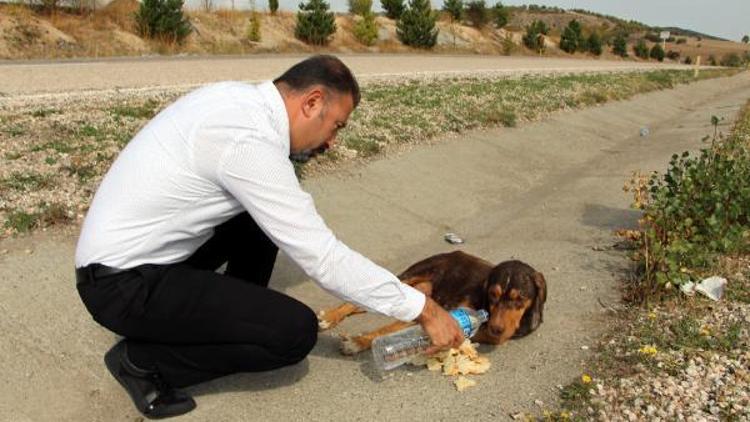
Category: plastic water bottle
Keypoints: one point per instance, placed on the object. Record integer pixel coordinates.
(395, 349)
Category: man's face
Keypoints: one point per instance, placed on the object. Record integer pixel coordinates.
(323, 116)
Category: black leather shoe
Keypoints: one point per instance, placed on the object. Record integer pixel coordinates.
(152, 396)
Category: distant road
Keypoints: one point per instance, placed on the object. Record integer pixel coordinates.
(19, 78)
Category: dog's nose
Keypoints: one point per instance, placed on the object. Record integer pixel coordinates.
(496, 331)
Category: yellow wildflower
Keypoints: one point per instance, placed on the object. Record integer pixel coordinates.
(585, 379)
(647, 350)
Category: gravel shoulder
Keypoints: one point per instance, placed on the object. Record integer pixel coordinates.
(546, 193)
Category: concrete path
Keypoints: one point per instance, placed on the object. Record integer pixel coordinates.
(546, 193)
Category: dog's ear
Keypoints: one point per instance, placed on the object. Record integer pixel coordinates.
(537, 308)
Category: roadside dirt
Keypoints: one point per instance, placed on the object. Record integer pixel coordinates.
(548, 193)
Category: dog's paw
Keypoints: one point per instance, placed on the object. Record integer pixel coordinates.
(325, 323)
(351, 345)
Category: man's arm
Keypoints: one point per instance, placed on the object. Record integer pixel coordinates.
(440, 326)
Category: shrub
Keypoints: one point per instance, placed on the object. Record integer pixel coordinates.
(534, 36)
(253, 27)
(594, 44)
(712, 60)
(731, 60)
(366, 30)
(393, 8)
(697, 210)
(673, 55)
(688, 60)
(746, 39)
(657, 52)
(653, 37)
(454, 8)
(416, 27)
(571, 37)
(162, 19)
(641, 50)
(477, 13)
(315, 24)
(360, 7)
(273, 6)
(681, 40)
(620, 46)
(501, 15)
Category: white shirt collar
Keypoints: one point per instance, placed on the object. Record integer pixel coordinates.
(278, 111)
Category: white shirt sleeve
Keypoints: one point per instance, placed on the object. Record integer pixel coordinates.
(261, 177)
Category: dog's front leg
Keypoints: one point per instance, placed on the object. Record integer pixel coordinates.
(351, 345)
(329, 318)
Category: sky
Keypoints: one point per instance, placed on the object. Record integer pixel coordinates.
(728, 19)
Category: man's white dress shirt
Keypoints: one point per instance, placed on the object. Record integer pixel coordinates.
(214, 153)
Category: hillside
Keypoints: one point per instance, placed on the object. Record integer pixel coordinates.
(110, 31)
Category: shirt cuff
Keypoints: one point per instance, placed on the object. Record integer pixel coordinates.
(412, 305)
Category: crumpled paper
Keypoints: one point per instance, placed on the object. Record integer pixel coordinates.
(711, 287)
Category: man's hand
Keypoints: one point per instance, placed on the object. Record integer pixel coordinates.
(440, 326)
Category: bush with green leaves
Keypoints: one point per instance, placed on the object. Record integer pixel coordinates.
(477, 13)
(657, 52)
(696, 211)
(731, 60)
(366, 29)
(315, 24)
(500, 15)
(416, 27)
(253, 27)
(594, 44)
(746, 39)
(163, 19)
(571, 37)
(673, 55)
(273, 6)
(454, 9)
(534, 36)
(620, 46)
(393, 8)
(360, 7)
(641, 49)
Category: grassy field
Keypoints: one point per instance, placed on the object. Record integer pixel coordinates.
(54, 152)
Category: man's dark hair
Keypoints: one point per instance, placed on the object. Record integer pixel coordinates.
(327, 71)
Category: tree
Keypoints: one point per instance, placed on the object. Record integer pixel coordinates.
(657, 52)
(594, 44)
(416, 26)
(273, 6)
(477, 13)
(315, 24)
(620, 46)
(746, 39)
(641, 49)
(163, 19)
(366, 30)
(534, 37)
(571, 38)
(360, 7)
(501, 15)
(393, 8)
(454, 8)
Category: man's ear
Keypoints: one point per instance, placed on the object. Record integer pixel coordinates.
(313, 102)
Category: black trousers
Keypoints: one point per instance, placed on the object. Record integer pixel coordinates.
(193, 324)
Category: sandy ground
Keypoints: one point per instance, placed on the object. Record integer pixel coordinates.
(546, 193)
(24, 77)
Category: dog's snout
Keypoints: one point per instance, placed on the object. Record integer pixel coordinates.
(496, 331)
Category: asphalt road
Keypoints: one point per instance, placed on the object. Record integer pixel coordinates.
(546, 193)
(39, 77)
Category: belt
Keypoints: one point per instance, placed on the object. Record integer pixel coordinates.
(94, 271)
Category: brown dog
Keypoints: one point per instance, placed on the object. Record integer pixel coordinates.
(512, 292)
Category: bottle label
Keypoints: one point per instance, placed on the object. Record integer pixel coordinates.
(463, 319)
